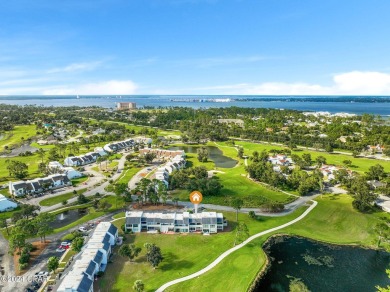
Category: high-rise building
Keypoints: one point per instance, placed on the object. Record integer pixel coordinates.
(126, 106)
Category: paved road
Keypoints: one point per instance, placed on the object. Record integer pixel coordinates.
(237, 247)
(137, 177)
(91, 191)
(40, 262)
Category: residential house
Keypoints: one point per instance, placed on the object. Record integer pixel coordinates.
(94, 258)
(81, 160)
(38, 185)
(375, 184)
(6, 204)
(117, 146)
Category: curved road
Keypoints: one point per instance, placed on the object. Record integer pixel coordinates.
(237, 247)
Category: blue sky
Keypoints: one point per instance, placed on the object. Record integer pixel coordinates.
(194, 47)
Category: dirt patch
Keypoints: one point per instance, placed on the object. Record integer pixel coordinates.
(143, 174)
(150, 207)
(23, 148)
(37, 250)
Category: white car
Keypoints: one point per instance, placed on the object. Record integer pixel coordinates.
(60, 249)
(82, 229)
(65, 243)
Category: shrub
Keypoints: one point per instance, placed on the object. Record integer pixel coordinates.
(23, 266)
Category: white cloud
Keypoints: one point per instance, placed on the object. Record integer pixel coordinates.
(358, 82)
(105, 87)
(85, 66)
(350, 83)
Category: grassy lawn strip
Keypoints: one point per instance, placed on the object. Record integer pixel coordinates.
(184, 254)
(90, 216)
(128, 174)
(60, 198)
(79, 180)
(8, 214)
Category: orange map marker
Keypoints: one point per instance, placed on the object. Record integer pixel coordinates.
(196, 197)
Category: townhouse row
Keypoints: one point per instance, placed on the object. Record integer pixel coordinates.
(92, 157)
(204, 222)
(92, 260)
(39, 185)
(176, 160)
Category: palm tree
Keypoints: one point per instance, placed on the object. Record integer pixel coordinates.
(41, 154)
(237, 204)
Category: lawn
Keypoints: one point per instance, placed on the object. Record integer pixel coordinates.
(90, 216)
(358, 164)
(183, 254)
(333, 220)
(8, 214)
(114, 204)
(192, 161)
(234, 181)
(31, 161)
(60, 198)
(128, 174)
(137, 128)
(79, 180)
(15, 136)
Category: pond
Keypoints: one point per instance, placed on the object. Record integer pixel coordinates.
(215, 154)
(323, 267)
(68, 217)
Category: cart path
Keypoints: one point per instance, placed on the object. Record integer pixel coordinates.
(237, 247)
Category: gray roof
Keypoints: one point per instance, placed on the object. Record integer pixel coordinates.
(98, 257)
(85, 284)
(89, 157)
(113, 230)
(106, 245)
(36, 185)
(106, 238)
(21, 185)
(29, 187)
(91, 268)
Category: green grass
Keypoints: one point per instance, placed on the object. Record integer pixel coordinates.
(44, 147)
(15, 136)
(59, 199)
(8, 214)
(128, 174)
(68, 255)
(184, 254)
(90, 216)
(192, 161)
(31, 161)
(333, 221)
(235, 183)
(358, 164)
(79, 180)
(92, 213)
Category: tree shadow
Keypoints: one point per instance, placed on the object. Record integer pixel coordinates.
(171, 261)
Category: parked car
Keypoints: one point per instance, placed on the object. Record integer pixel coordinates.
(60, 249)
(82, 229)
(65, 243)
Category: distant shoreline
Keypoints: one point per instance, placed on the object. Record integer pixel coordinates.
(377, 105)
